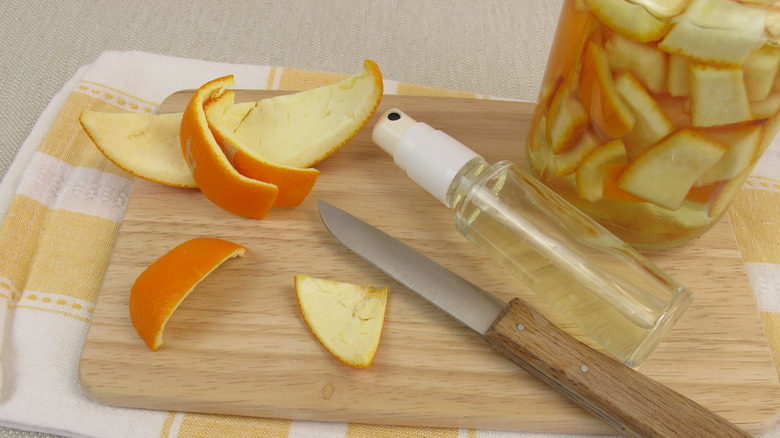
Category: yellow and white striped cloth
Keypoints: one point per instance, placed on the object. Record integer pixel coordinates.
(62, 203)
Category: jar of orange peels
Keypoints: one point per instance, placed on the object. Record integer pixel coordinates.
(652, 113)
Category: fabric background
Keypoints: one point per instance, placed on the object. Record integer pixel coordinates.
(497, 48)
(61, 57)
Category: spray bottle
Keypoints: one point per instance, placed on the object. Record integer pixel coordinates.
(604, 286)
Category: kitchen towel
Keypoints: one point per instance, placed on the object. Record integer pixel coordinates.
(62, 202)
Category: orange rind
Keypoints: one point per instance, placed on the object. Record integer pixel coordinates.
(277, 140)
(717, 32)
(346, 319)
(590, 176)
(247, 157)
(304, 128)
(165, 283)
(651, 124)
(567, 162)
(643, 61)
(143, 145)
(665, 172)
(599, 96)
(630, 19)
(742, 144)
(566, 121)
(294, 183)
(610, 190)
(216, 177)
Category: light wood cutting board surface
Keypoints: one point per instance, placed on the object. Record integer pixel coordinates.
(237, 344)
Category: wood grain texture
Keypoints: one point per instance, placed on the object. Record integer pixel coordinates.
(237, 345)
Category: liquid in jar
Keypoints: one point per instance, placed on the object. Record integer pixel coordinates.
(651, 114)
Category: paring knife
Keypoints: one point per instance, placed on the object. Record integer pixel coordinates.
(634, 404)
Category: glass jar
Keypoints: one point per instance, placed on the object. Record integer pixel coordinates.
(652, 113)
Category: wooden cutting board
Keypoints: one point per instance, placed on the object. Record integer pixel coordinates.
(237, 345)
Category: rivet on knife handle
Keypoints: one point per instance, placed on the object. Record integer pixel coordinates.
(636, 405)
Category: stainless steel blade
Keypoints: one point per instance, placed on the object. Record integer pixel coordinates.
(463, 300)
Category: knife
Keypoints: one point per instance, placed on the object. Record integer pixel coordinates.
(632, 403)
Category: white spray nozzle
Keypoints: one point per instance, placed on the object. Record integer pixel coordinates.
(430, 157)
(390, 128)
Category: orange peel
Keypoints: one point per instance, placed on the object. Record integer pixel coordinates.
(304, 128)
(278, 139)
(164, 284)
(212, 171)
(294, 183)
(600, 97)
(611, 190)
(248, 157)
(346, 319)
(143, 145)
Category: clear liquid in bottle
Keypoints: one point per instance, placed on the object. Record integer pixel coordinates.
(594, 279)
(586, 273)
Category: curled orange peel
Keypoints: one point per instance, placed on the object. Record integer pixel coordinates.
(216, 177)
(294, 183)
(164, 284)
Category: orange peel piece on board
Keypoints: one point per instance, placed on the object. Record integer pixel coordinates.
(345, 318)
(212, 171)
(304, 128)
(247, 157)
(143, 145)
(164, 284)
(278, 139)
(294, 183)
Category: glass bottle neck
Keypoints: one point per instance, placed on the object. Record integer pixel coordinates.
(465, 179)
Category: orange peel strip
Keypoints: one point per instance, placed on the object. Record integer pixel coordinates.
(294, 183)
(612, 173)
(212, 171)
(143, 145)
(301, 129)
(164, 284)
(371, 69)
(599, 96)
(346, 319)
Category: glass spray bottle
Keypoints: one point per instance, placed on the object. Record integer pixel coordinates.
(609, 290)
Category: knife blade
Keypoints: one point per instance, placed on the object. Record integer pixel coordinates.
(634, 404)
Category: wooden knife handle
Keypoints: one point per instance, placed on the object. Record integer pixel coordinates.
(634, 404)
